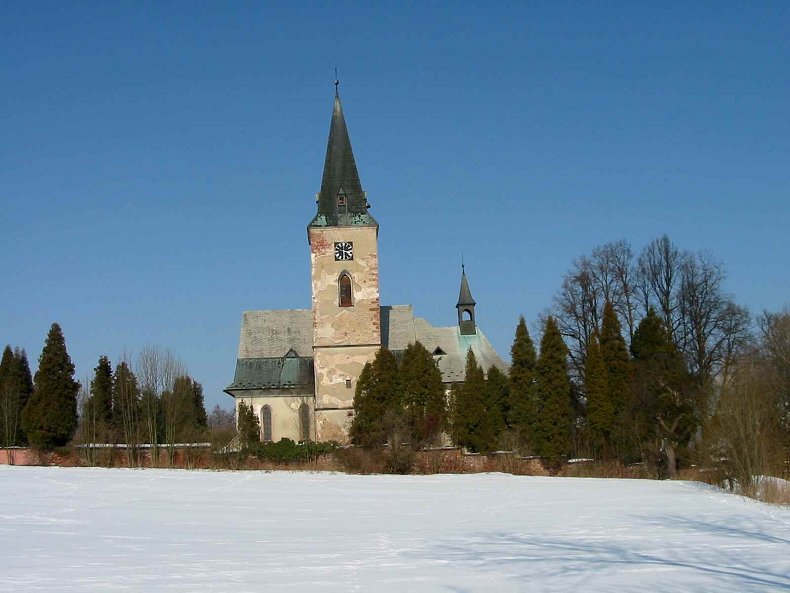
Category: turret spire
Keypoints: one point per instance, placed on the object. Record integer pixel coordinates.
(466, 307)
(341, 201)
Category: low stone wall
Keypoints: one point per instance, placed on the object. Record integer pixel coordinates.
(455, 461)
(19, 456)
(447, 460)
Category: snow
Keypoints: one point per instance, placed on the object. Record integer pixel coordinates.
(100, 530)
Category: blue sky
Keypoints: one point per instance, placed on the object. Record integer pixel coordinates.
(160, 160)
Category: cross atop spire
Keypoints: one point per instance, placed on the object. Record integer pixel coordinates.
(341, 201)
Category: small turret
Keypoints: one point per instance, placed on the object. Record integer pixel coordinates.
(466, 307)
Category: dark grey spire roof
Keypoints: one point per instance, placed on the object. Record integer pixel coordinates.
(341, 177)
(465, 295)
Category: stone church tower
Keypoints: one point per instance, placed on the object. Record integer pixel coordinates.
(343, 239)
(298, 368)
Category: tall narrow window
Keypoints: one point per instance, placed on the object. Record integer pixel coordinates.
(304, 422)
(266, 423)
(344, 290)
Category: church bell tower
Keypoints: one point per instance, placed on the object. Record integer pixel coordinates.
(343, 239)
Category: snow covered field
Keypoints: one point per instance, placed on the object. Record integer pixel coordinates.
(99, 530)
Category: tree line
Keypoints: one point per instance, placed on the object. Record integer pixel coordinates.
(643, 359)
(150, 400)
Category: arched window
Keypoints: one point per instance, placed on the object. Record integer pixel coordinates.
(266, 423)
(467, 315)
(304, 422)
(344, 290)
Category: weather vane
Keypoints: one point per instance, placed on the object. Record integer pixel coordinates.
(337, 81)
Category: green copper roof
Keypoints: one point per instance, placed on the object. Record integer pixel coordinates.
(290, 371)
(341, 201)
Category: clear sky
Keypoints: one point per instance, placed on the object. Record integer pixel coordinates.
(159, 161)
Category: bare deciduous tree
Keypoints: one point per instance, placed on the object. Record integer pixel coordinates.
(126, 409)
(659, 279)
(157, 369)
(88, 427)
(745, 431)
(711, 328)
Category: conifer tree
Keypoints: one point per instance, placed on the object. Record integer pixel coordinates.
(421, 394)
(7, 406)
(376, 401)
(101, 397)
(248, 425)
(472, 424)
(662, 405)
(618, 374)
(50, 417)
(16, 386)
(497, 405)
(554, 420)
(521, 376)
(600, 414)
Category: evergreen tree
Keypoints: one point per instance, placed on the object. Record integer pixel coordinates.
(600, 413)
(376, 401)
(497, 405)
(50, 417)
(249, 426)
(618, 374)
(554, 417)
(195, 418)
(101, 397)
(7, 403)
(421, 394)
(662, 404)
(472, 424)
(16, 386)
(522, 408)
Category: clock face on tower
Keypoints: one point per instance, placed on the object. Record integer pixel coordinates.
(344, 251)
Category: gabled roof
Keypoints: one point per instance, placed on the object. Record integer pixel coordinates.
(271, 334)
(404, 328)
(341, 177)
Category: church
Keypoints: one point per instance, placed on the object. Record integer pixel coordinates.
(298, 368)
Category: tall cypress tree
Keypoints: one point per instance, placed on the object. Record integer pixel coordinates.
(50, 417)
(522, 408)
(101, 396)
(497, 405)
(662, 405)
(16, 386)
(618, 375)
(376, 400)
(600, 414)
(7, 402)
(554, 421)
(248, 425)
(472, 424)
(421, 394)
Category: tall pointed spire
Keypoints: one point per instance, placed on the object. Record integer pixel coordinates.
(341, 201)
(466, 307)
